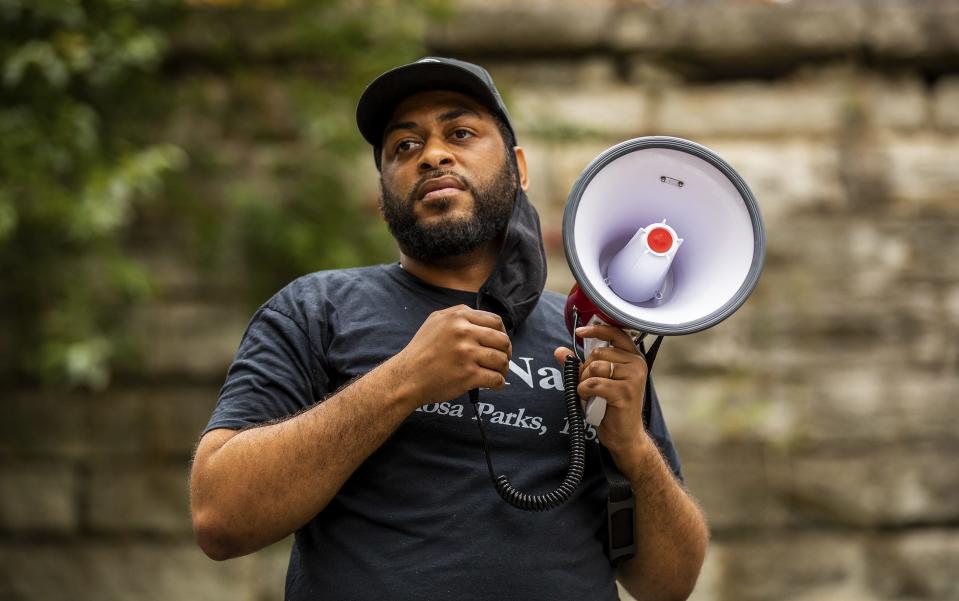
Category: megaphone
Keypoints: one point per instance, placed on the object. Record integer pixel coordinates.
(663, 237)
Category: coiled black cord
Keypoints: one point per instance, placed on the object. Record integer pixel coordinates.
(577, 450)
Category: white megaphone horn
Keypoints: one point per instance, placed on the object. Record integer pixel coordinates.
(663, 237)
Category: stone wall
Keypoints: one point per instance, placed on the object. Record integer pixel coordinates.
(817, 426)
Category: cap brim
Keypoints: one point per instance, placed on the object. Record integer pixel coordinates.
(384, 93)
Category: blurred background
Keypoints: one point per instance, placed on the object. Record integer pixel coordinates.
(165, 166)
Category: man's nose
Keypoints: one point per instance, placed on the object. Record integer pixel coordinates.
(436, 155)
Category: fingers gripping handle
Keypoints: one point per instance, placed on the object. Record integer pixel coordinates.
(595, 409)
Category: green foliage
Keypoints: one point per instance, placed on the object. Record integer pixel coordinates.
(294, 197)
(99, 98)
(70, 182)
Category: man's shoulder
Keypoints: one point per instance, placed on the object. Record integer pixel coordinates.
(335, 277)
(551, 303)
(548, 313)
(553, 299)
(313, 291)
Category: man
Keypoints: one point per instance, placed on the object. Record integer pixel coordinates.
(344, 418)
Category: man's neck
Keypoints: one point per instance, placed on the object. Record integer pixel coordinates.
(460, 272)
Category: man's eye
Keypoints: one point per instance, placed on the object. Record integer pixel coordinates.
(462, 134)
(404, 146)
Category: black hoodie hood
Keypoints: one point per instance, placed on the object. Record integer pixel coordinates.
(517, 281)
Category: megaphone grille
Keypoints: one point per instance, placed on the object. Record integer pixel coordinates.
(644, 181)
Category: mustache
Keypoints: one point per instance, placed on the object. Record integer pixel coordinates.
(414, 191)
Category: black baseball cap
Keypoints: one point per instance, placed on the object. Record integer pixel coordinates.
(429, 73)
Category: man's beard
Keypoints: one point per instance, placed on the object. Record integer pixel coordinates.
(492, 207)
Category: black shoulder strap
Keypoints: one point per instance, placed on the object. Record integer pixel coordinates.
(621, 502)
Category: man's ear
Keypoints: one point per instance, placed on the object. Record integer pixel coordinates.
(521, 166)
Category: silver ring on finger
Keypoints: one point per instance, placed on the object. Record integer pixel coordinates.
(611, 367)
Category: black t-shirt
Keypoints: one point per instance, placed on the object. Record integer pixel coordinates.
(420, 519)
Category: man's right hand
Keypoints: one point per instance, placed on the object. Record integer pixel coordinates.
(455, 350)
(246, 492)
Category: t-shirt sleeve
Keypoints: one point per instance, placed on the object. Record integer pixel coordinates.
(276, 373)
(656, 427)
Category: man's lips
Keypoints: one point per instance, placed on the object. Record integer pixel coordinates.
(439, 188)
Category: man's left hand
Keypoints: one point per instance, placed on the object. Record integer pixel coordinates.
(616, 373)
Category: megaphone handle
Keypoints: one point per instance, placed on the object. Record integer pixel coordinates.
(596, 406)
